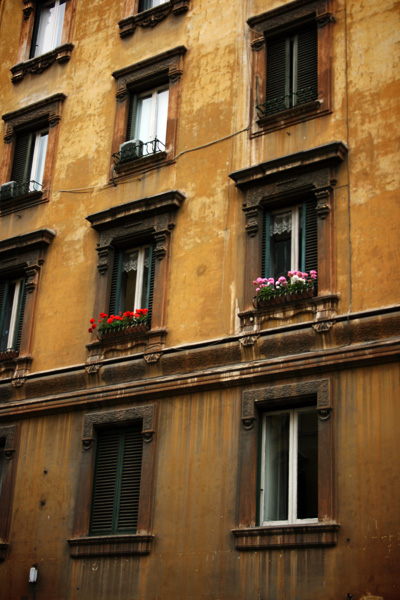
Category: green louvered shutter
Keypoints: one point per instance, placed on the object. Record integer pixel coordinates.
(3, 303)
(22, 158)
(311, 236)
(307, 65)
(20, 317)
(130, 127)
(116, 279)
(150, 287)
(276, 76)
(116, 488)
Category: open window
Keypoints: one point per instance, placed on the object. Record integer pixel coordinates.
(29, 157)
(289, 209)
(115, 495)
(148, 99)
(133, 249)
(148, 13)
(45, 36)
(291, 64)
(12, 303)
(286, 470)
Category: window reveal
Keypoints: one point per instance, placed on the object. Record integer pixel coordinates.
(48, 27)
(132, 280)
(116, 490)
(12, 303)
(289, 467)
(29, 161)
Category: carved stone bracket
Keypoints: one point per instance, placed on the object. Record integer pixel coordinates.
(258, 44)
(92, 369)
(152, 357)
(323, 326)
(160, 249)
(253, 218)
(104, 257)
(324, 19)
(150, 18)
(248, 340)
(39, 64)
(323, 207)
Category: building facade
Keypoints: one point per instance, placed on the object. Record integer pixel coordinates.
(166, 430)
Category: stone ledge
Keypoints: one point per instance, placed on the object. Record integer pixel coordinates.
(265, 537)
(110, 545)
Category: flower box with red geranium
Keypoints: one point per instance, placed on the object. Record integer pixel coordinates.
(296, 286)
(126, 323)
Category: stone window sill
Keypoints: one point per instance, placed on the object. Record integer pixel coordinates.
(110, 545)
(291, 116)
(152, 16)
(36, 65)
(158, 159)
(21, 202)
(289, 536)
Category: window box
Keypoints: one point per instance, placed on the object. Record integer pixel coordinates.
(113, 333)
(28, 161)
(114, 512)
(271, 515)
(148, 98)
(291, 69)
(134, 240)
(283, 299)
(148, 13)
(45, 36)
(21, 260)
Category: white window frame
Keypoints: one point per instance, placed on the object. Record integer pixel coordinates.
(14, 313)
(294, 235)
(154, 125)
(139, 276)
(292, 469)
(48, 40)
(38, 160)
(291, 74)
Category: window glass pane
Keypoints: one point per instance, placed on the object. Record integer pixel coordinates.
(39, 158)
(146, 4)
(162, 115)
(46, 28)
(130, 268)
(145, 280)
(276, 467)
(143, 118)
(59, 25)
(281, 243)
(307, 465)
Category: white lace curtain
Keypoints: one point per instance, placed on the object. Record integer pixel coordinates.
(130, 262)
(281, 223)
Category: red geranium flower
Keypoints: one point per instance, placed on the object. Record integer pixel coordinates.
(92, 320)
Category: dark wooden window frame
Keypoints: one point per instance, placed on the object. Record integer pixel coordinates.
(148, 18)
(165, 68)
(149, 220)
(82, 544)
(23, 255)
(45, 113)
(38, 64)
(284, 20)
(283, 182)
(248, 535)
(8, 433)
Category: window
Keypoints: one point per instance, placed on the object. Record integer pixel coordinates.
(286, 474)
(8, 436)
(291, 64)
(116, 488)
(133, 248)
(289, 467)
(290, 240)
(21, 260)
(132, 280)
(48, 27)
(136, 14)
(45, 36)
(29, 157)
(292, 71)
(12, 304)
(115, 511)
(148, 98)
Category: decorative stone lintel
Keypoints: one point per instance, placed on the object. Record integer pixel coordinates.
(248, 340)
(151, 17)
(39, 64)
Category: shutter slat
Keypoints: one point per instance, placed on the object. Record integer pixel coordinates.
(307, 69)
(311, 242)
(20, 317)
(276, 75)
(22, 158)
(150, 291)
(130, 482)
(104, 484)
(112, 309)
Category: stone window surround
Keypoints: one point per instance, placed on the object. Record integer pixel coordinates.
(140, 221)
(83, 545)
(163, 68)
(24, 254)
(249, 536)
(38, 64)
(46, 112)
(280, 20)
(9, 433)
(148, 18)
(280, 182)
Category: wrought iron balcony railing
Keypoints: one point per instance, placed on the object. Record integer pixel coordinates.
(12, 189)
(281, 103)
(135, 149)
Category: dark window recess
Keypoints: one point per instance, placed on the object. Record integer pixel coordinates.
(116, 490)
(292, 71)
(283, 229)
(2, 446)
(126, 293)
(12, 306)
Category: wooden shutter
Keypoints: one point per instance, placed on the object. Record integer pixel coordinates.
(266, 247)
(22, 158)
(276, 75)
(116, 488)
(307, 64)
(3, 303)
(311, 235)
(130, 127)
(116, 278)
(20, 316)
(150, 287)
